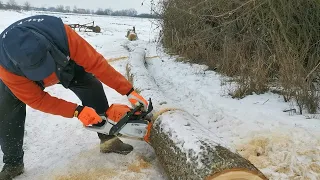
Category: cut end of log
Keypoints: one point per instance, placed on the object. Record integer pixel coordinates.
(162, 111)
(132, 36)
(236, 174)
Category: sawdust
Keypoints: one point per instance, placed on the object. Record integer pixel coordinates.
(151, 57)
(101, 174)
(255, 151)
(91, 175)
(132, 171)
(139, 165)
(117, 58)
(261, 160)
(126, 57)
(284, 154)
(315, 167)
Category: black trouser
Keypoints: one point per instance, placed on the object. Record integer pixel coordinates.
(13, 114)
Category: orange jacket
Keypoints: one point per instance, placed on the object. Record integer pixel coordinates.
(84, 55)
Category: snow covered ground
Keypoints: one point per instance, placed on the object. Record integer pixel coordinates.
(284, 146)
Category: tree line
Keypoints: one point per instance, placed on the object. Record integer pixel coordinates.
(13, 5)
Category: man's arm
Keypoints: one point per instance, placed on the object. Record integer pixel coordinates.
(31, 94)
(93, 62)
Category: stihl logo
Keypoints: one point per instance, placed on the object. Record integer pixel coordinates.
(21, 22)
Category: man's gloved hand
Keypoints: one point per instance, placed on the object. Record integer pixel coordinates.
(87, 115)
(135, 99)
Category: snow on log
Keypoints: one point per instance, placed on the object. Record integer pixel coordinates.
(185, 148)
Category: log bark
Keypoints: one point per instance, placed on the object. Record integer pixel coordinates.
(185, 148)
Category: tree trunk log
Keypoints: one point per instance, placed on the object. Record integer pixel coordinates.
(185, 148)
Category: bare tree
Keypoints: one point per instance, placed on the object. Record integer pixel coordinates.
(108, 11)
(26, 6)
(1, 5)
(131, 12)
(75, 9)
(100, 11)
(60, 8)
(43, 8)
(12, 4)
(125, 12)
(67, 9)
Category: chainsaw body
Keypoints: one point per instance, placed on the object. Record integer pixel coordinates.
(120, 120)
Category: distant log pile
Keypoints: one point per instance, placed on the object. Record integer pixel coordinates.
(131, 34)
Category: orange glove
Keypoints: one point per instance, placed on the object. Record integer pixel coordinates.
(135, 99)
(87, 115)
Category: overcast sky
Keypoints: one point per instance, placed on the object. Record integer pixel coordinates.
(93, 4)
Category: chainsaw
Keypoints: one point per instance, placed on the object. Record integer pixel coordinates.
(123, 121)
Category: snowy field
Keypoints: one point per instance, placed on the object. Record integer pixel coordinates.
(282, 145)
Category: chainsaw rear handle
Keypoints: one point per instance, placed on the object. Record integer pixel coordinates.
(132, 124)
(137, 108)
(104, 116)
(130, 113)
(116, 128)
(150, 108)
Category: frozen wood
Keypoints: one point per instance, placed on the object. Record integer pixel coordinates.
(185, 148)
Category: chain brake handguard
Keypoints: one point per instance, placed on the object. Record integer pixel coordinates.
(128, 117)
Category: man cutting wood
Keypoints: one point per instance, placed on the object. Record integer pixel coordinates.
(42, 51)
